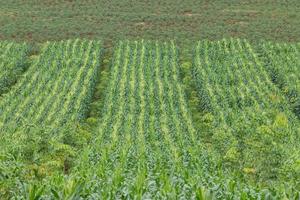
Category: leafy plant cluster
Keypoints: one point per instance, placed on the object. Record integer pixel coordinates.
(282, 61)
(13, 62)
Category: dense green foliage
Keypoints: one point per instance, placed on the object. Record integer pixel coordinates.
(145, 124)
(250, 124)
(282, 61)
(149, 120)
(140, 147)
(38, 116)
(57, 88)
(36, 20)
(12, 63)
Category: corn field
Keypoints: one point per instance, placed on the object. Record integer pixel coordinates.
(57, 87)
(222, 125)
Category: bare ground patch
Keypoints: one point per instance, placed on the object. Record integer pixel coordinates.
(189, 13)
(142, 25)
